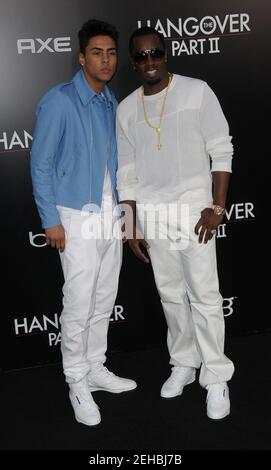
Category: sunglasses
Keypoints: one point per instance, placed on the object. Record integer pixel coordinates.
(142, 56)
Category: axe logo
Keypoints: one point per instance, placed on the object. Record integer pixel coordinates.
(37, 45)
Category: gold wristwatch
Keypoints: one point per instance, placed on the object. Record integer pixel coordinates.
(218, 210)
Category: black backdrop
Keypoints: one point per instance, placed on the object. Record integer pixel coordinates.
(225, 43)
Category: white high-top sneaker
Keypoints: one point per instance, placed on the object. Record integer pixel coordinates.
(180, 376)
(100, 378)
(218, 401)
(85, 409)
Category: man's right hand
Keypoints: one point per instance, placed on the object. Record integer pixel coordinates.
(55, 237)
(134, 244)
(131, 232)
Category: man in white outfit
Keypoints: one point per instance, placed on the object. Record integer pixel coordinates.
(173, 145)
(73, 168)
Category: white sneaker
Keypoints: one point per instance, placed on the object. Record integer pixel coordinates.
(85, 409)
(180, 376)
(218, 401)
(101, 378)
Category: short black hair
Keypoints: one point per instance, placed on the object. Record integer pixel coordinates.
(96, 28)
(145, 31)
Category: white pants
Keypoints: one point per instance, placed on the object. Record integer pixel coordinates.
(187, 282)
(91, 268)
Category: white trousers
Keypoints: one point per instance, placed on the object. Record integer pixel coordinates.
(186, 277)
(91, 265)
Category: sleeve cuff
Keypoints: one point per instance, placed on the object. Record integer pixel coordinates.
(51, 222)
(222, 166)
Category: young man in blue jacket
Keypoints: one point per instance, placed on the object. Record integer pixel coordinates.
(73, 169)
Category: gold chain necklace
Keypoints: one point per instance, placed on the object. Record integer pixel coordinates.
(157, 129)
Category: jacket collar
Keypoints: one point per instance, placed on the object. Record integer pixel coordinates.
(85, 91)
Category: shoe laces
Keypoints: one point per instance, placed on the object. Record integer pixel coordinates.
(177, 373)
(104, 371)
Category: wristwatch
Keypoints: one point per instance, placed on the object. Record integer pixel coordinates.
(218, 210)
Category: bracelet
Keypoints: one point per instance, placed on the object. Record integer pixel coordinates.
(218, 210)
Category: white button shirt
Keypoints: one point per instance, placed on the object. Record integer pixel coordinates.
(194, 136)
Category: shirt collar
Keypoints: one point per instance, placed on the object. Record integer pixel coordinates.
(85, 91)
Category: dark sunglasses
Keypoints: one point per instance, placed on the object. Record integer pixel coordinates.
(142, 56)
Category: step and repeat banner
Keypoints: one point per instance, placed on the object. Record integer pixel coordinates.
(225, 43)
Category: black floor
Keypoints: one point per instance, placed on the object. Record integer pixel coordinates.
(36, 413)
